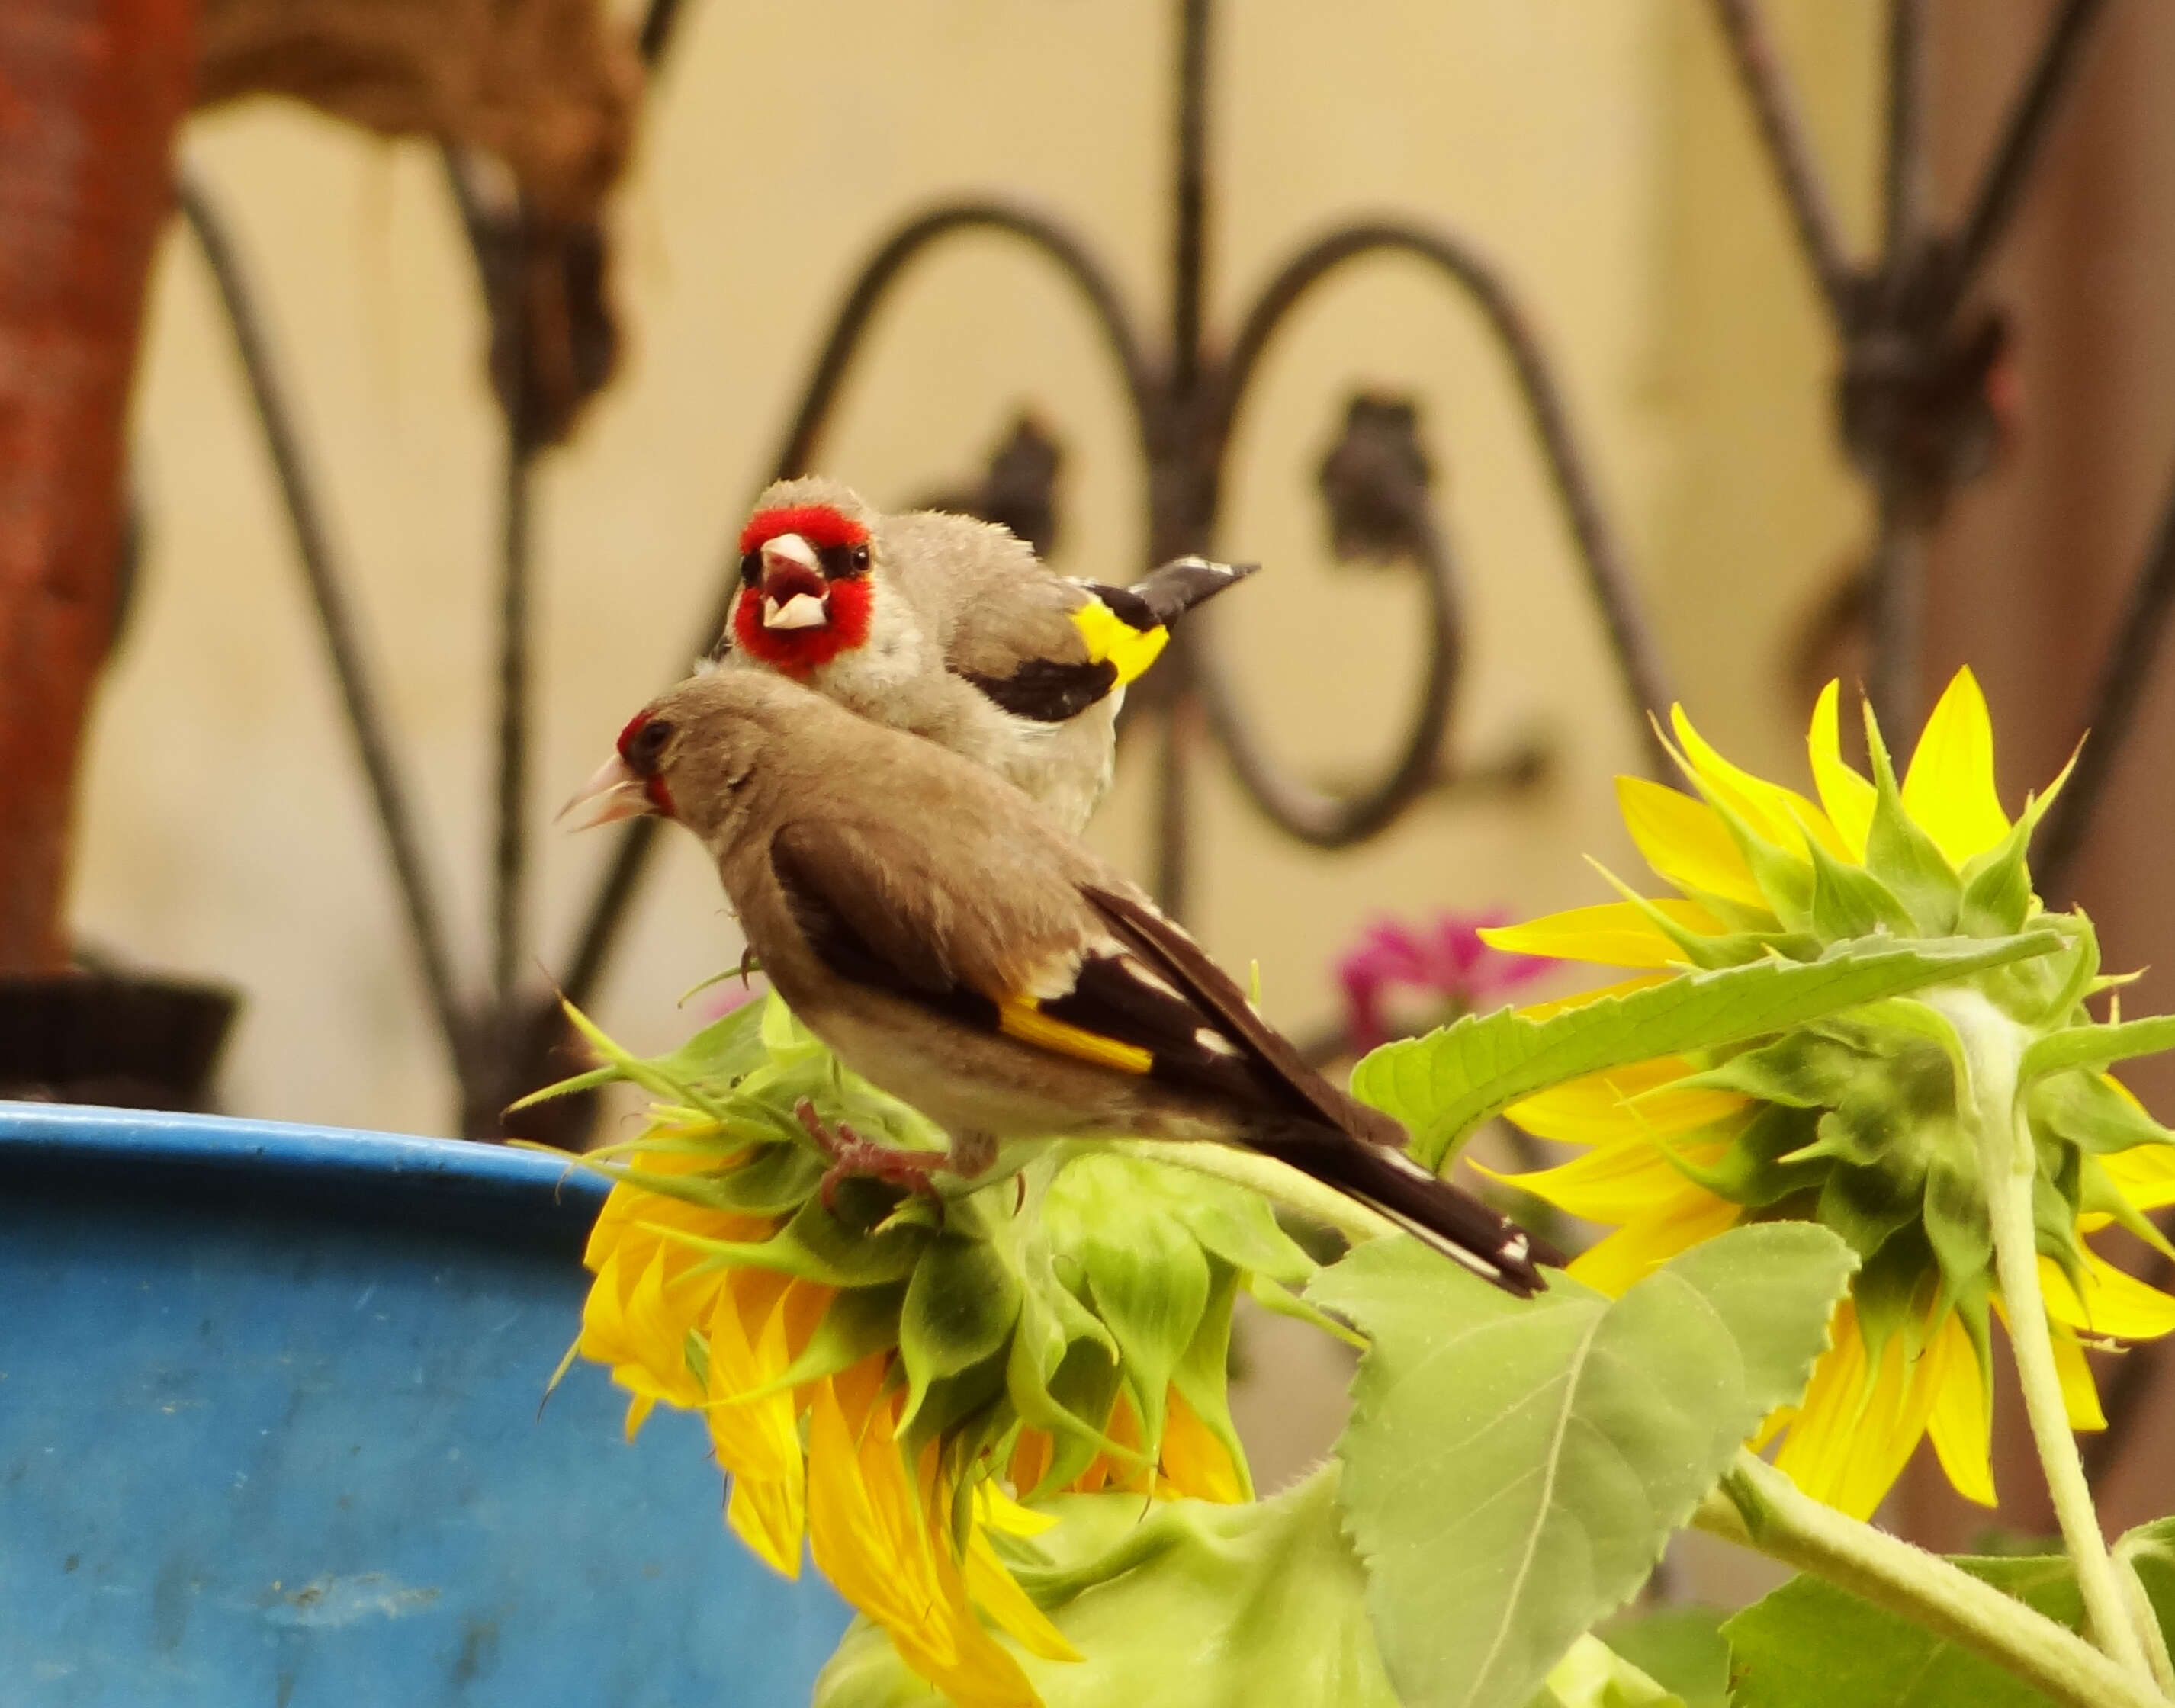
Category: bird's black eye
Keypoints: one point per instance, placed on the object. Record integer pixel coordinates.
(752, 568)
(860, 556)
(645, 746)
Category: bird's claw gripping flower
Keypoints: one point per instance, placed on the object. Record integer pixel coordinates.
(1866, 1120)
(887, 1384)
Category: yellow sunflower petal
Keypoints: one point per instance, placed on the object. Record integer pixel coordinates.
(757, 1438)
(1031, 1460)
(1949, 789)
(2080, 1394)
(1626, 1256)
(1897, 1413)
(1616, 1183)
(769, 1517)
(1614, 934)
(1857, 1426)
(2145, 1174)
(1781, 815)
(994, 1510)
(1961, 1424)
(1847, 797)
(2115, 1303)
(1195, 1462)
(1596, 1107)
(1685, 841)
(1815, 1451)
(997, 1592)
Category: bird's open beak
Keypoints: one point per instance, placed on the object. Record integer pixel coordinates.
(612, 793)
(794, 593)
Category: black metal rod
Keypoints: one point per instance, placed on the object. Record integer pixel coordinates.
(658, 25)
(1326, 820)
(498, 240)
(1189, 229)
(510, 867)
(1903, 198)
(879, 275)
(1608, 573)
(314, 545)
(1789, 149)
(2123, 677)
(2023, 139)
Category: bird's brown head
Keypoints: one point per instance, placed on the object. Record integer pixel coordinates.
(807, 562)
(690, 754)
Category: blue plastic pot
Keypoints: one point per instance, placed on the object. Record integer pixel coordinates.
(270, 1435)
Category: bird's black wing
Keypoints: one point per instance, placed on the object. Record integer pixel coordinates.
(1036, 958)
(1210, 992)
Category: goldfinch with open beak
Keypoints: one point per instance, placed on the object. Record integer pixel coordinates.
(958, 949)
(950, 628)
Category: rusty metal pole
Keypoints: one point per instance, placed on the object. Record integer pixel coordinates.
(90, 94)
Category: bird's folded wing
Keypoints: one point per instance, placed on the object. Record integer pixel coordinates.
(1080, 971)
(1049, 650)
(1003, 946)
(1209, 988)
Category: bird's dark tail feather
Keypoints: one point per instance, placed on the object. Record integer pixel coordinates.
(1449, 1218)
(1183, 583)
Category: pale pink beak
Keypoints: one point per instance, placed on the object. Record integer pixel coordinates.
(613, 792)
(793, 595)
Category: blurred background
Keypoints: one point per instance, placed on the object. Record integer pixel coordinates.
(1849, 317)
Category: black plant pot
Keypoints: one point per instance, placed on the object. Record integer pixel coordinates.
(104, 1038)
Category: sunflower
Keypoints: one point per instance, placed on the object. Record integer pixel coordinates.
(1857, 1121)
(724, 1287)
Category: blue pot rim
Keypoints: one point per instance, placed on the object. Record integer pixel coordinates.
(337, 1171)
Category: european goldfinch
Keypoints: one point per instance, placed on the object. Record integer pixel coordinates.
(950, 628)
(959, 951)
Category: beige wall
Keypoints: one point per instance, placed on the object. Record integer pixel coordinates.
(1594, 148)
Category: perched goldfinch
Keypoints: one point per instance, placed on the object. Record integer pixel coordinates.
(958, 949)
(951, 629)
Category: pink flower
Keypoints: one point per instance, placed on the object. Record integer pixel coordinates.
(1443, 959)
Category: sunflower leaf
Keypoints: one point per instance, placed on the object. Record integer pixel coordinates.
(1809, 1644)
(1594, 1675)
(1512, 1469)
(1680, 1648)
(2148, 1554)
(1444, 1085)
(2095, 1046)
(1190, 1603)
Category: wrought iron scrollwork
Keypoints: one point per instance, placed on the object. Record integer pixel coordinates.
(1185, 395)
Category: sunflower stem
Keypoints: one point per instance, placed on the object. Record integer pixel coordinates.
(1760, 1508)
(1276, 1181)
(1992, 1046)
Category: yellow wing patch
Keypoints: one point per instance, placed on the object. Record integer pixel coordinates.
(1110, 637)
(1021, 1018)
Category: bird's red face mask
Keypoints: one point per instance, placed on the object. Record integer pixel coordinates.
(629, 783)
(805, 589)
